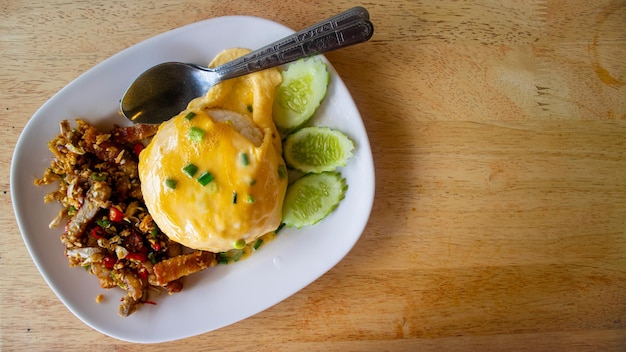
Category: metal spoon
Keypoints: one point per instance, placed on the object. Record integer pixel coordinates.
(164, 90)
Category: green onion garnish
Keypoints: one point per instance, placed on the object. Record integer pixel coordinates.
(282, 171)
(238, 256)
(205, 178)
(100, 176)
(211, 187)
(250, 199)
(222, 258)
(170, 183)
(244, 159)
(234, 197)
(190, 170)
(190, 115)
(249, 107)
(105, 224)
(257, 244)
(239, 244)
(196, 134)
(280, 227)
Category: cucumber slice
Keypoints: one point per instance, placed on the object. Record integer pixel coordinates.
(317, 149)
(303, 88)
(312, 197)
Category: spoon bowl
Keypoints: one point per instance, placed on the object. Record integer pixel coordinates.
(165, 90)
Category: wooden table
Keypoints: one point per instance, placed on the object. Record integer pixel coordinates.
(499, 136)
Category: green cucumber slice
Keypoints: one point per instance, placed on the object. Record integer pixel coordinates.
(303, 88)
(312, 197)
(317, 149)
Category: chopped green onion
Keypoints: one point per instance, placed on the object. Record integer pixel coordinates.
(250, 199)
(105, 224)
(190, 115)
(152, 258)
(196, 134)
(238, 256)
(249, 107)
(154, 232)
(212, 187)
(234, 197)
(222, 258)
(100, 176)
(170, 183)
(205, 178)
(190, 169)
(280, 227)
(282, 171)
(239, 244)
(71, 210)
(244, 159)
(257, 244)
(252, 182)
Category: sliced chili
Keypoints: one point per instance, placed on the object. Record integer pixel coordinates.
(98, 232)
(156, 246)
(142, 273)
(109, 262)
(116, 215)
(137, 148)
(140, 257)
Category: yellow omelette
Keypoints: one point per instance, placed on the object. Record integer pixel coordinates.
(213, 177)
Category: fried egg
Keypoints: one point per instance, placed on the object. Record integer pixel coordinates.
(213, 177)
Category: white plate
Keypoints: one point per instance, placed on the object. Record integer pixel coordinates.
(219, 296)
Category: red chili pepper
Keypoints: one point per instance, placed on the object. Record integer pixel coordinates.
(109, 261)
(98, 232)
(137, 148)
(143, 273)
(156, 246)
(115, 214)
(140, 257)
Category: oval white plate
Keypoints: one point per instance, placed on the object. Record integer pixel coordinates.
(219, 296)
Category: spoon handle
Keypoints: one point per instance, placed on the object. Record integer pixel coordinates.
(345, 29)
(326, 26)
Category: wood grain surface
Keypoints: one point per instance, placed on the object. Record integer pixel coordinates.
(498, 130)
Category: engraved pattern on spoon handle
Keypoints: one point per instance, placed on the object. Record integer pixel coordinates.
(328, 25)
(350, 34)
(348, 28)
